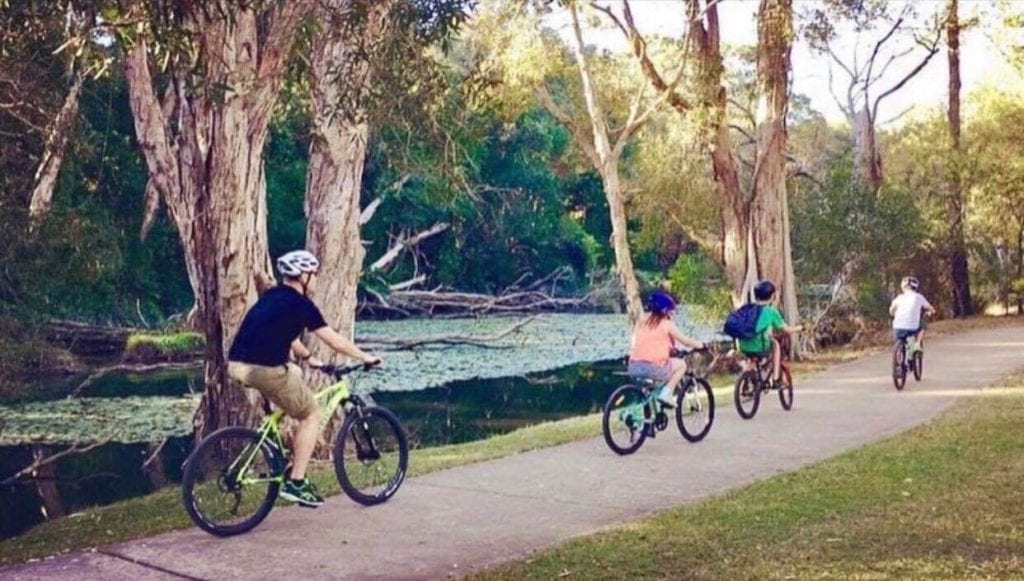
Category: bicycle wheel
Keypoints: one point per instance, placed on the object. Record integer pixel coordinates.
(695, 410)
(625, 418)
(899, 366)
(747, 394)
(918, 365)
(371, 455)
(786, 389)
(231, 480)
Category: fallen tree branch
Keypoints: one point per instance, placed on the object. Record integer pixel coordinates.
(486, 341)
(403, 242)
(37, 464)
(129, 368)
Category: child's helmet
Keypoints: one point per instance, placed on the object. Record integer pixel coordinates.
(660, 303)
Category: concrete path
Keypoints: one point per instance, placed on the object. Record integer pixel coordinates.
(462, 520)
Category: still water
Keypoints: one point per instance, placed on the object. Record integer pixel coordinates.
(455, 412)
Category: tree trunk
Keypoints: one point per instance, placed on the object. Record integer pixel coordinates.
(336, 155)
(958, 269)
(734, 206)
(770, 206)
(620, 243)
(53, 154)
(606, 160)
(205, 157)
(867, 159)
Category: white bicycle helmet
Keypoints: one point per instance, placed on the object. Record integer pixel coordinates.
(296, 262)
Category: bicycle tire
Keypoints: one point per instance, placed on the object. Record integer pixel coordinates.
(212, 458)
(899, 366)
(700, 387)
(636, 428)
(918, 365)
(786, 390)
(368, 451)
(747, 390)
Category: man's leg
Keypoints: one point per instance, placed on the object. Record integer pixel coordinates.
(304, 444)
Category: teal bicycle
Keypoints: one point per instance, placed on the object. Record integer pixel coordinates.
(633, 412)
(232, 479)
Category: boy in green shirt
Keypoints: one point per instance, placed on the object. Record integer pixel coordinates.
(768, 322)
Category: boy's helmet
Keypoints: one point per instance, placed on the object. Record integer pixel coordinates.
(297, 262)
(910, 282)
(660, 303)
(764, 290)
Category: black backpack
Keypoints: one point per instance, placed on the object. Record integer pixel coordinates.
(742, 323)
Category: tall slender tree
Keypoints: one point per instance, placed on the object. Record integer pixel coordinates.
(959, 275)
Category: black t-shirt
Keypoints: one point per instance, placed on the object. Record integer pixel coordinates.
(270, 326)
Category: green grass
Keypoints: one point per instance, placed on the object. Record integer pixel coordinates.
(151, 347)
(940, 501)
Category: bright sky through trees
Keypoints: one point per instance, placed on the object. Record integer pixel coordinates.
(982, 62)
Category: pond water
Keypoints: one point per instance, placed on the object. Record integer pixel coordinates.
(565, 366)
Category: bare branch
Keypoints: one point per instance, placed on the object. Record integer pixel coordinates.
(402, 243)
(584, 143)
(932, 50)
(37, 464)
(53, 154)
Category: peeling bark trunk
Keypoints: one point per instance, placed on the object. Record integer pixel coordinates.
(336, 156)
(53, 154)
(770, 207)
(733, 202)
(959, 274)
(206, 159)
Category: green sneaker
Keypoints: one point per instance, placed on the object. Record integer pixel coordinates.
(303, 493)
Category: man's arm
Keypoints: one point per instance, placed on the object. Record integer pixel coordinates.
(300, 351)
(342, 345)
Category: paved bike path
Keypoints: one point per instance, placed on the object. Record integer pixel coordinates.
(465, 519)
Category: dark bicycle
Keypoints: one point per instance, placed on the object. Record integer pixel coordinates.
(906, 356)
(633, 412)
(756, 381)
(231, 480)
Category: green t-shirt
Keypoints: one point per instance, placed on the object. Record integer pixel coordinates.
(768, 321)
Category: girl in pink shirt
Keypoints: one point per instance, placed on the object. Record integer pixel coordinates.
(651, 347)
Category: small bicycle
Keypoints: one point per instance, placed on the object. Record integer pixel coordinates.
(753, 382)
(906, 343)
(231, 480)
(633, 412)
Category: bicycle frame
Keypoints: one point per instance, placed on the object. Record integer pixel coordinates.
(329, 399)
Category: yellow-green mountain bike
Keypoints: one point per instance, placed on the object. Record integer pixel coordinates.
(232, 478)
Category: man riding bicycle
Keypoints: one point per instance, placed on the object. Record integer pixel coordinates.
(259, 358)
(906, 309)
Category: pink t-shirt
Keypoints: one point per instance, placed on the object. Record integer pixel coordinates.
(652, 344)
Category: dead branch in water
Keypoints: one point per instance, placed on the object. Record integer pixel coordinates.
(129, 368)
(37, 464)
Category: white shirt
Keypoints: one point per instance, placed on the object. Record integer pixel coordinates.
(908, 310)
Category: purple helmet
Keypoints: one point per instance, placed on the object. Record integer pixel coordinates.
(660, 303)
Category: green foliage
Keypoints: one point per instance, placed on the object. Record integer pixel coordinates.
(698, 282)
(839, 228)
(146, 347)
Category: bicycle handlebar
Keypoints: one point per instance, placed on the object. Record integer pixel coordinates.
(339, 371)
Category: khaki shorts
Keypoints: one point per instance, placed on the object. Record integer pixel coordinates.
(281, 384)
